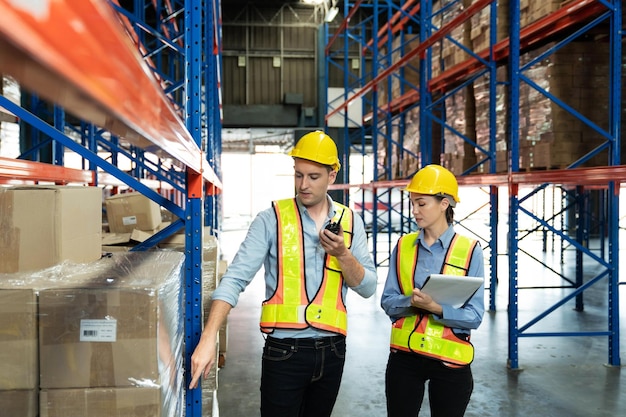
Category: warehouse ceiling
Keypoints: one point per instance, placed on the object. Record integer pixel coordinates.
(257, 140)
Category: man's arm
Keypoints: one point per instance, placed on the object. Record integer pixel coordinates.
(203, 357)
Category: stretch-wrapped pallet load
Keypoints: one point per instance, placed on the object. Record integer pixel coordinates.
(210, 256)
(19, 373)
(111, 337)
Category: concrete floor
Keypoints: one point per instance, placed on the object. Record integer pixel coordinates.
(558, 376)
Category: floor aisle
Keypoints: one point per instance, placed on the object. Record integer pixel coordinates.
(559, 376)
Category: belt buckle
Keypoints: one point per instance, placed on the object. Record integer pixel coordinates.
(319, 343)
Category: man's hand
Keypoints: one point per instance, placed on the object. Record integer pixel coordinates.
(332, 243)
(203, 359)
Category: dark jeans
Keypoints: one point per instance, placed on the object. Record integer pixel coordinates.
(301, 377)
(449, 389)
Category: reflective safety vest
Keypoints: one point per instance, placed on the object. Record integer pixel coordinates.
(421, 333)
(289, 307)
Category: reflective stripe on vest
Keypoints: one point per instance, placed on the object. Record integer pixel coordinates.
(421, 333)
(288, 307)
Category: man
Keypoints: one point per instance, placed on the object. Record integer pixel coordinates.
(308, 270)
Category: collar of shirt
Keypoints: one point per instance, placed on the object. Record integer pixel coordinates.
(445, 239)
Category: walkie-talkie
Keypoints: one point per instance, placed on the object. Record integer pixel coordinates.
(334, 226)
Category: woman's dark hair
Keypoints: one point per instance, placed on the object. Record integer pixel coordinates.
(449, 210)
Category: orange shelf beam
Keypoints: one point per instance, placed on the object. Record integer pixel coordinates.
(77, 54)
(21, 171)
(590, 177)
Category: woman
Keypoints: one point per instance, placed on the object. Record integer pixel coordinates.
(430, 341)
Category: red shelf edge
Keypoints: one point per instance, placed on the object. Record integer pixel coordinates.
(34, 49)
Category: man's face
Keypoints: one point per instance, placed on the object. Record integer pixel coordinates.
(312, 181)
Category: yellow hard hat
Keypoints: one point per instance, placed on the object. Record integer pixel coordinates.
(318, 147)
(434, 180)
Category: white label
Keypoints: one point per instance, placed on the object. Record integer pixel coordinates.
(98, 330)
(129, 220)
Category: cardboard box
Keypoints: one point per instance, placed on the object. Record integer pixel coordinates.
(120, 325)
(129, 211)
(18, 340)
(19, 403)
(41, 226)
(210, 407)
(102, 402)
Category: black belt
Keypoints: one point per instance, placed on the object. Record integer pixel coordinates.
(307, 342)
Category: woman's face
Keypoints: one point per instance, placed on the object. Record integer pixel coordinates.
(428, 210)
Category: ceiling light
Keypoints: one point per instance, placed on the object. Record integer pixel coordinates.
(331, 14)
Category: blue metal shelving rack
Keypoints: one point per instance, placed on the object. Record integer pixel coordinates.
(179, 118)
(390, 19)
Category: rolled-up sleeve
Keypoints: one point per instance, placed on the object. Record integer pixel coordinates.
(248, 260)
(393, 301)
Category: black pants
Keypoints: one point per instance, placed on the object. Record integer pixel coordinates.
(301, 377)
(449, 389)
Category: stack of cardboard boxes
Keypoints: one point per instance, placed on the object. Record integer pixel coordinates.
(132, 218)
(41, 227)
(111, 338)
(83, 334)
(98, 339)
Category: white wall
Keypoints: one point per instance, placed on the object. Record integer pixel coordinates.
(251, 182)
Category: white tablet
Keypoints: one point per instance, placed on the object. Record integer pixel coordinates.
(453, 290)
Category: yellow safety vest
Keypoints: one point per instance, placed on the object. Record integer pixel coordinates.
(421, 333)
(289, 306)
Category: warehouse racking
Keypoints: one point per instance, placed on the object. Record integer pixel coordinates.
(176, 114)
(416, 59)
(103, 82)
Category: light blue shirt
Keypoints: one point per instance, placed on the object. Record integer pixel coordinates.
(260, 248)
(429, 261)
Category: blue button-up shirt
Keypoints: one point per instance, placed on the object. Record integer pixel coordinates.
(429, 261)
(260, 248)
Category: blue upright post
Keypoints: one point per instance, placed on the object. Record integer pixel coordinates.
(425, 143)
(513, 116)
(615, 100)
(493, 190)
(193, 211)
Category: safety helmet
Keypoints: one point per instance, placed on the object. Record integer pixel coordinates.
(318, 147)
(435, 180)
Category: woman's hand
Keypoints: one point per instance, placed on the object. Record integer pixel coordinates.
(424, 301)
